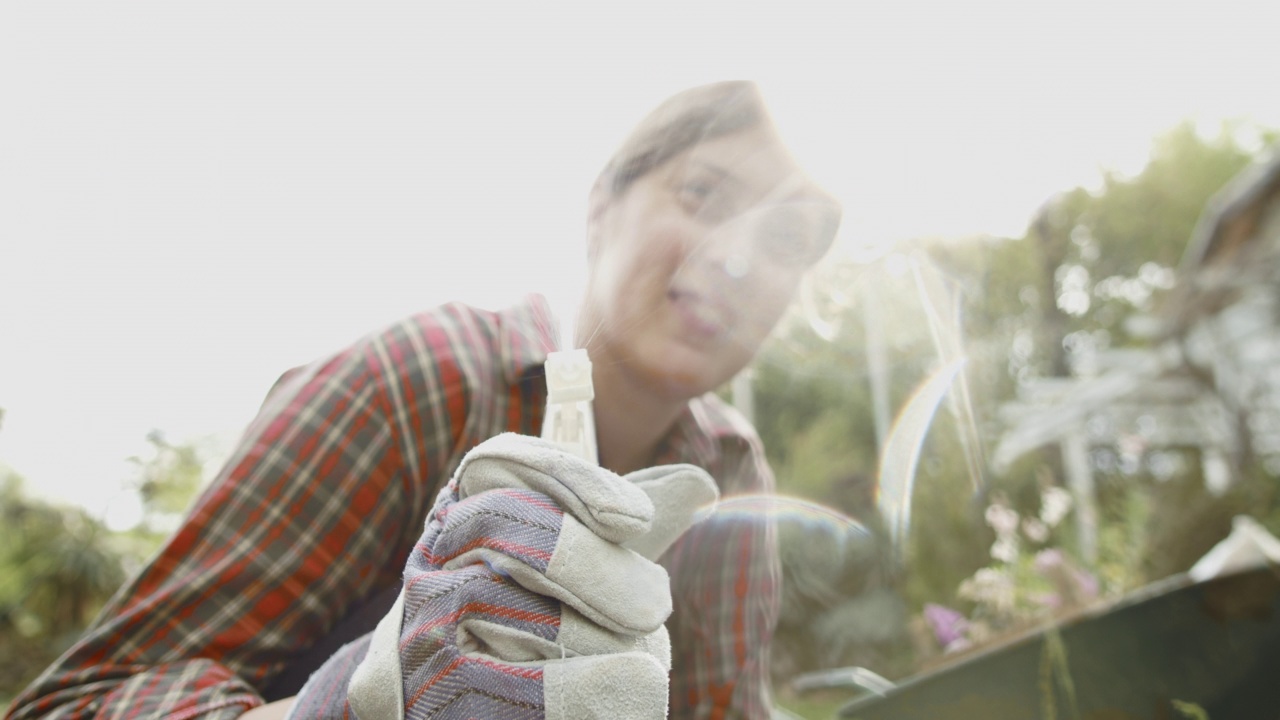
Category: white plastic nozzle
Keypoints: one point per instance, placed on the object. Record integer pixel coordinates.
(569, 377)
(569, 422)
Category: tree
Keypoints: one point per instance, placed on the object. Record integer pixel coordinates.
(167, 480)
(1110, 253)
(58, 565)
(1032, 306)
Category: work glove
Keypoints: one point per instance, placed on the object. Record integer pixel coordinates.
(532, 593)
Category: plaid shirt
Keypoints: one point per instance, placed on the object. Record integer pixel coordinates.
(327, 493)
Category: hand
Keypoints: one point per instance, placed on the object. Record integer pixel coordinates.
(521, 600)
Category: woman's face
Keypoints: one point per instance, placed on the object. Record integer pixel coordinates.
(694, 263)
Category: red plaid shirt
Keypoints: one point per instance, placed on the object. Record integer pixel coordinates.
(328, 491)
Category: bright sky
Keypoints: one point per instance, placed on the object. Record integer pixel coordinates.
(197, 196)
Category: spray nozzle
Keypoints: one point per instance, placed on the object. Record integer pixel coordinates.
(569, 377)
(569, 422)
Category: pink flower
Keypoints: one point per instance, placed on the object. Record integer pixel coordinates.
(949, 626)
(1049, 559)
(1075, 586)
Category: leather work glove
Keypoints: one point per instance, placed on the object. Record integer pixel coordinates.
(532, 593)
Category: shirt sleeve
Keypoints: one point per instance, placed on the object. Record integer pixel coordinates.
(315, 510)
(725, 576)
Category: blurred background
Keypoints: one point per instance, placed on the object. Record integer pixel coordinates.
(1035, 369)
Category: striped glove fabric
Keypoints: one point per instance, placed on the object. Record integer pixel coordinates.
(532, 593)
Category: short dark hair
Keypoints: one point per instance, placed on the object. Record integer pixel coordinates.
(683, 121)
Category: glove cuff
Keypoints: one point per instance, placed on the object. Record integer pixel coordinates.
(376, 691)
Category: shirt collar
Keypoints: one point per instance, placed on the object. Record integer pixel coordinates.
(701, 433)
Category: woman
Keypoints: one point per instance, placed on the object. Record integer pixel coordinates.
(699, 232)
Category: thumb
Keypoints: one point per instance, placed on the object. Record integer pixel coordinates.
(678, 492)
(617, 686)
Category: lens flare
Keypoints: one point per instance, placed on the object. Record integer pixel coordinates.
(941, 306)
(782, 507)
(901, 453)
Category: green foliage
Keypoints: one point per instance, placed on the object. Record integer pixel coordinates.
(1104, 256)
(842, 606)
(948, 539)
(167, 481)
(1149, 218)
(1190, 710)
(1093, 259)
(1123, 534)
(1151, 528)
(820, 706)
(823, 451)
(1113, 250)
(57, 567)
(1055, 676)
